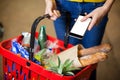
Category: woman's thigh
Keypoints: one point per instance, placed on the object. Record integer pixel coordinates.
(95, 35)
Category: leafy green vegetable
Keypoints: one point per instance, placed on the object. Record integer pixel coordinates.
(62, 68)
(39, 56)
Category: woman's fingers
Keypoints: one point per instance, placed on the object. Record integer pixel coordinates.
(55, 14)
(86, 17)
(92, 23)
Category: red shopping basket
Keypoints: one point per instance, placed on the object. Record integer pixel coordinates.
(18, 68)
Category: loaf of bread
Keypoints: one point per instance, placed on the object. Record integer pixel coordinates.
(92, 59)
(100, 48)
(83, 57)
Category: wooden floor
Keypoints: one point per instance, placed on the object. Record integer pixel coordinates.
(18, 15)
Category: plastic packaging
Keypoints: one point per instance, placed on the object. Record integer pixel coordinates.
(26, 39)
(18, 49)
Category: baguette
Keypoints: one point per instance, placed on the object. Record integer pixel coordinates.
(101, 48)
(92, 59)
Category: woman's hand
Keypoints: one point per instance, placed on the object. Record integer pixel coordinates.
(99, 13)
(51, 9)
(96, 16)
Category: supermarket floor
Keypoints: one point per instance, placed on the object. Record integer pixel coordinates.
(18, 15)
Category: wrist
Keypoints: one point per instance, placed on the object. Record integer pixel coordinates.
(108, 4)
(105, 9)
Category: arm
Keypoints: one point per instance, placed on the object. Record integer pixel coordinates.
(51, 9)
(99, 13)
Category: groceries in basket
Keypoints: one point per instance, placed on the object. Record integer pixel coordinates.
(76, 58)
(66, 61)
(83, 57)
(19, 50)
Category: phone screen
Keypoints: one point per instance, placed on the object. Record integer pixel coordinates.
(79, 28)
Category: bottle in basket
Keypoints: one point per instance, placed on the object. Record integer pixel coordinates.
(42, 37)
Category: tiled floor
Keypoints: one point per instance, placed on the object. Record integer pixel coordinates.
(18, 16)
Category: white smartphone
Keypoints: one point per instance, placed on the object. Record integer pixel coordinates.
(79, 28)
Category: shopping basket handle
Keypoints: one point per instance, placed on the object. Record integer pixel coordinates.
(66, 38)
(33, 30)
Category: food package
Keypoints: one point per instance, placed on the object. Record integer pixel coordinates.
(91, 56)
